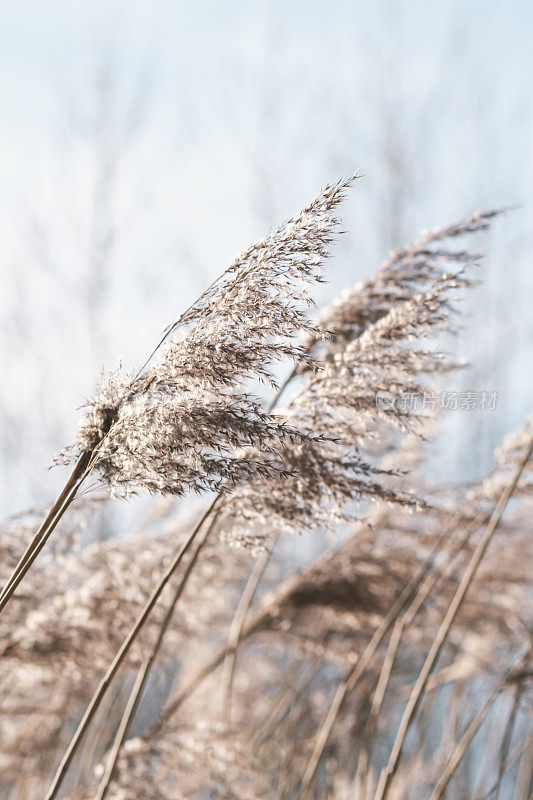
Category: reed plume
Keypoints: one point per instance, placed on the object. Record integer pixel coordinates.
(183, 420)
(370, 348)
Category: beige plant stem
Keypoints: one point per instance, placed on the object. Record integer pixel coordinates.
(456, 757)
(389, 771)
(265, 610)
(146, 667)
(462, 746)
(509, 728)
(432, 578)
(509, 761)
(361, 776)
(414, 593)
(296, 689)
(236, 631)
(258, 617)
(125, 721)
(65, 498)
(497, 742)
(120, 656)
(524, 779)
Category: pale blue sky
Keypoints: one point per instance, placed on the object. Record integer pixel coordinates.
(251, 107)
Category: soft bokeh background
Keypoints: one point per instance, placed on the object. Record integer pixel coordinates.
(143, 145)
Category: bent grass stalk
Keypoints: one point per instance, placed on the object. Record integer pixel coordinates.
(510, 760)
(456, 757)
(236, 631)
(59, 507)
(388, 772)
(414, 593)
(145, 669)
(361, 776)
(475, 724)
(262, 614)
(119, 658)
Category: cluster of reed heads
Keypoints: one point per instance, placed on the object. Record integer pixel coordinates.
(229, 658)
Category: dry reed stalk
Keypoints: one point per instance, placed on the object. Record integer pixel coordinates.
(496, 742)
(361, 775)
(432, 578)
(524, 779)
(389, 771)
(291, 696)
(275, 599)
(119, 658)
(509, 761)
(59, 507)
(414, 593)
(236, 630)
(455, 758)
(144, 672)
(507, 736)
(122, 730)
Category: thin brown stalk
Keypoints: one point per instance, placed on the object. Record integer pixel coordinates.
(361, 776)
(506, 741)
(414, 592)
(146, 667)
(120, 656)
(454, 708)
(296, 689)
(462, 746)
(418, 763)
(258, 617)
(509, 761)
(432, 578)
(64, 500)
(498, 742)
(236, 631)
(122, 730)
(524, 781)
(104, 718)
(288, 379)
(389, 771)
